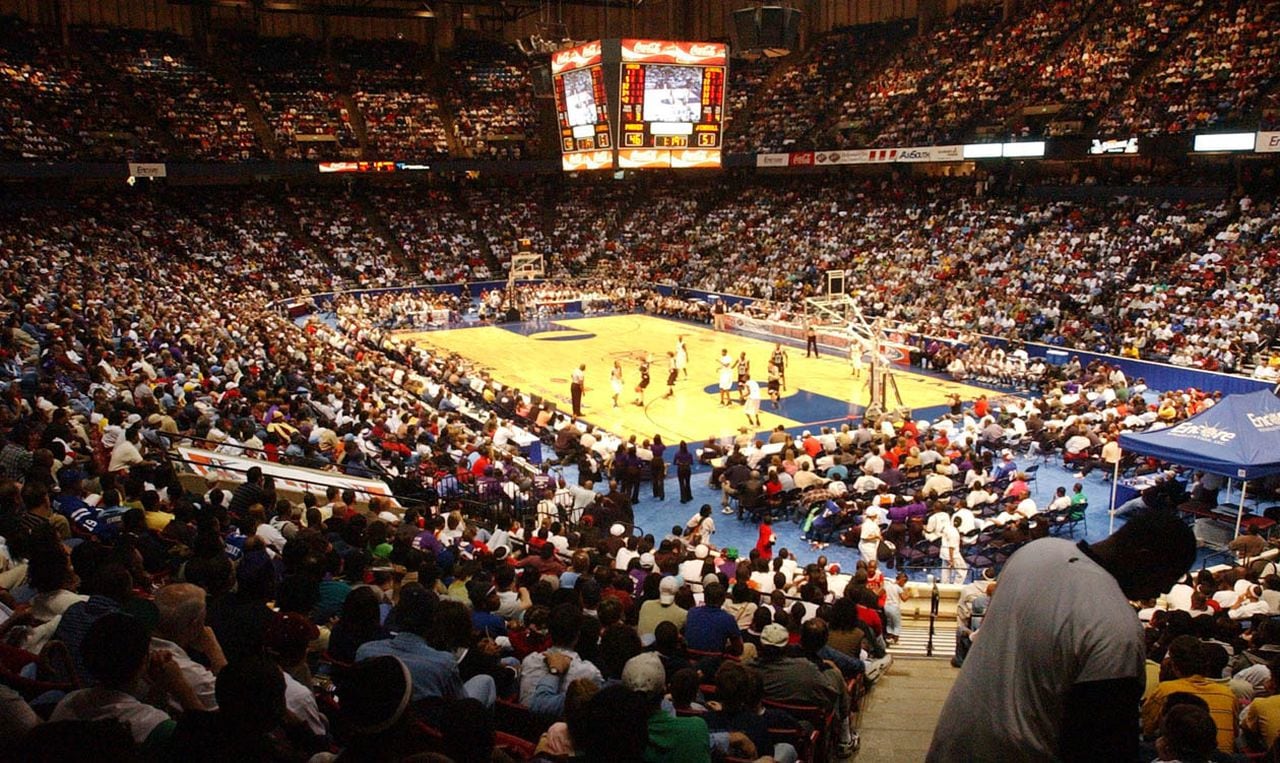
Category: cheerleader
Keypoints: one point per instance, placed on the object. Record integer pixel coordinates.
(615, 381)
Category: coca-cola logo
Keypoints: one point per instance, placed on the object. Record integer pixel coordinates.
(647, 48)
(575, 57)
(705, 49)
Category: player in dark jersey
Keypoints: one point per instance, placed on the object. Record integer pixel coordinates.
(644, 380)
(744, 372)
(779, 359)
(775, 376)
(673, 371)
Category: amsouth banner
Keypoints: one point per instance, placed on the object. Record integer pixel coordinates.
(911, 154)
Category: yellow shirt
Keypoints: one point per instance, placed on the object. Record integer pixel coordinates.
(1262, 717)
(158, 520)
(1222, 706)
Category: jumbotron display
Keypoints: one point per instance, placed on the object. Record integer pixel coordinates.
(671, 102)
(582, 107)
(665, 98)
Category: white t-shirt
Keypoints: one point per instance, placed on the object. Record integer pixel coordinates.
(1068, 621)
(200, 678)
(99, 703)
(892, 593)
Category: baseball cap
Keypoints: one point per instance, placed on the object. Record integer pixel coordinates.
(645, 673)
(617, 529)
(701, 551)
(647, 561)
(774, 635)
(667, 589)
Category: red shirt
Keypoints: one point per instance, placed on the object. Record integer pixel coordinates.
(871, 618)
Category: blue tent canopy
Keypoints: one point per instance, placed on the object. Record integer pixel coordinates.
(1239, 438)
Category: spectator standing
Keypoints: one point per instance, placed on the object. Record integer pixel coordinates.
(1072, 693)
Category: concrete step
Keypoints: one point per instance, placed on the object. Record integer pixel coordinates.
(899, 714)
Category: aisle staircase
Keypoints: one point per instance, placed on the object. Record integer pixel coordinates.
(898, 716)
(914, 640)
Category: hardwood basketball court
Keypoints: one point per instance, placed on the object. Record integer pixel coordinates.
(538, 358)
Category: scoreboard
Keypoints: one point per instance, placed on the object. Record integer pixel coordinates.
(640, 103)
(582, 107)
(671, 103)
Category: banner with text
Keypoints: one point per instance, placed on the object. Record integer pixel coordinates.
(912, 154)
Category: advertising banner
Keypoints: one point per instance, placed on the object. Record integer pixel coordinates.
(668, 52)
(584, 55)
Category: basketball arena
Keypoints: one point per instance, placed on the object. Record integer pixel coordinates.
(639, 380)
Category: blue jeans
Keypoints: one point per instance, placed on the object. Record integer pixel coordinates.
(848, 664)
(481, 688)
(892, 619)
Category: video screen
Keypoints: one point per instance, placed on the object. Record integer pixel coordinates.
(579, 97)
(672, 93)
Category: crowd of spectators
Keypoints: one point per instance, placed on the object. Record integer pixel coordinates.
(340, 227)
(55, 108)
(784, 115)
(871, 85)
(491, 96)
(1212, 645)
(165, 75)
(871, 108)
(231, 602)
(1214, 76)
(747, 77)
(394, 94)
(1178, 282)
(1088, 72)
(970, 91)
(298, 96)
(443, 244)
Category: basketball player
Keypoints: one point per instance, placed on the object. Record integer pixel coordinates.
(726, 377)
(644, 379)
(673, 371)
(744, 372)
(779, 359)
(576, 388)
(855, 358)
(752, 406)
(774, 384)
(682, 356)
(615, 381)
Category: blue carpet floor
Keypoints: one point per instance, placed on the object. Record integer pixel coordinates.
(658, 517)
